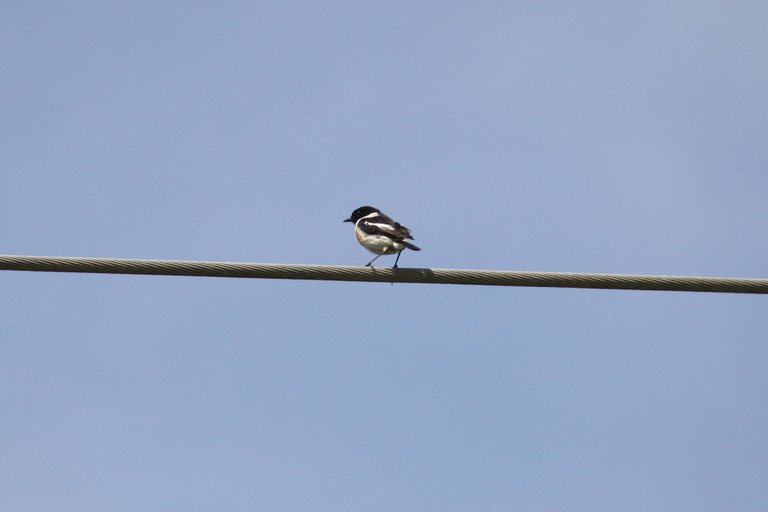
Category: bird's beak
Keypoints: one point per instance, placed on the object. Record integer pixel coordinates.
(347, 220)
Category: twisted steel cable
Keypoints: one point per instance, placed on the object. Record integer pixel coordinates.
(383, 275)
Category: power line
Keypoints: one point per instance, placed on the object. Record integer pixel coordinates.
(383, 275)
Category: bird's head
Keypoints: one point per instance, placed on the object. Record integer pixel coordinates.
(360, 213)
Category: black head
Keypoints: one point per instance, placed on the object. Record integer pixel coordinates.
(360, 213)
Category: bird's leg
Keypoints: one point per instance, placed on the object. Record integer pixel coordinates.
(374, 259)
(397, 259)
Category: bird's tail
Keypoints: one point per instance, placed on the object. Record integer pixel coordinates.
(409, 245)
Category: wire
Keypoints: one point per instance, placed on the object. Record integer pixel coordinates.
(383, 275)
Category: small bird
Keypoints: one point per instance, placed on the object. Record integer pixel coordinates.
(380, 234)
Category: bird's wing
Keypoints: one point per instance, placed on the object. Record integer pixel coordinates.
(383, 225)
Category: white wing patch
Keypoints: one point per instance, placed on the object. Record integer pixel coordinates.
(385, 227)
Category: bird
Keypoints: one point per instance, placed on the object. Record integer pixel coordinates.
(380, 234)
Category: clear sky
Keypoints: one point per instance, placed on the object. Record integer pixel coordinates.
(616, 137)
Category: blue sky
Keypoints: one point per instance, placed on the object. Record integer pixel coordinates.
(615, 137)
